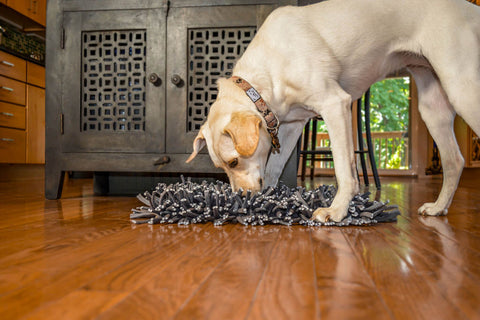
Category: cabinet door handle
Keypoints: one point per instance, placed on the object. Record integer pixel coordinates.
(177, 80)
(8, 140)
(162, 160)
(7, 114)
(7, 63)
(155, 79)
(6, 88)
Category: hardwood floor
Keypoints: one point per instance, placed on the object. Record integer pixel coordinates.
(81, 258)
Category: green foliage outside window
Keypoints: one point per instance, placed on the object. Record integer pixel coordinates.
(389, 102)
(389, 111)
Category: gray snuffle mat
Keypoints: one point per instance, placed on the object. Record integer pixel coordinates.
(187, 202)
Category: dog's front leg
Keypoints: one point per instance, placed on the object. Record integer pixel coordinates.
(337, 114)
(288, 136)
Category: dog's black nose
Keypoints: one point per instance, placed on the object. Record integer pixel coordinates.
(260, 182)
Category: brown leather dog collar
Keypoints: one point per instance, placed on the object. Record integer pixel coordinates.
(270, 118)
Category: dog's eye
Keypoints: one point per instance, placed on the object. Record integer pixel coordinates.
(233, 163)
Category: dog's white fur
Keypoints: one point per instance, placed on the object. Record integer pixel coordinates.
(314, 60)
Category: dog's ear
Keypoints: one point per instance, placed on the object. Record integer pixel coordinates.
(244, 128)
(198, 144)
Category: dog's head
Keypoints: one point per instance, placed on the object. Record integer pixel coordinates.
(235, 139)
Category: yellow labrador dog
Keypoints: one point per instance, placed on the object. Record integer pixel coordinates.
(314, 60)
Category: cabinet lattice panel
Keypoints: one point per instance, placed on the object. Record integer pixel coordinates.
(212, 54)
(113, 81)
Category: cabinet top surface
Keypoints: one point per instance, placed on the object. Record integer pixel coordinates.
(92, 5)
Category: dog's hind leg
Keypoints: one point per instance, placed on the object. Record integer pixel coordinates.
(438, 114)
(464, 94)
(457, 64)
(334, 105)
(456, 61)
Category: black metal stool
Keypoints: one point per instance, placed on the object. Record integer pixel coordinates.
(309, 150)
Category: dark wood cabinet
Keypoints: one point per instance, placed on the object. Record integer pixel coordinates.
(130, 83)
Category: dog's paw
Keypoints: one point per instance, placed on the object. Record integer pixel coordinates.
(432, 209)
(329, 214)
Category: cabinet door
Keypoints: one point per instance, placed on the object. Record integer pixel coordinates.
(34, 9)
(203, 45)
(21, 6)
(12, 67)
(12, 91)
(35, 74)
(35, 143)
(12, 116)
(108, 103)
(12, 145)
(38, 11)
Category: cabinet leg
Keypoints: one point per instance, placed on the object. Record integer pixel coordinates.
(101, 183)
(53, 183)
(289, 174)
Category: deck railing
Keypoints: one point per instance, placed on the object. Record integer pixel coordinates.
(390, 149)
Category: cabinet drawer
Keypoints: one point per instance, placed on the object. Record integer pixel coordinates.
(36, 74)
(12, 91)
(12, 66)
(12, 116)
(12, 146)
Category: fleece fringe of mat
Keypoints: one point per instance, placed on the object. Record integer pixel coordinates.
(187, 202)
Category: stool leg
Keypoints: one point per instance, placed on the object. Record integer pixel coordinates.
(369, 140)
(360, 142)
(314, 147)
(305, 150)
(299, 150)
